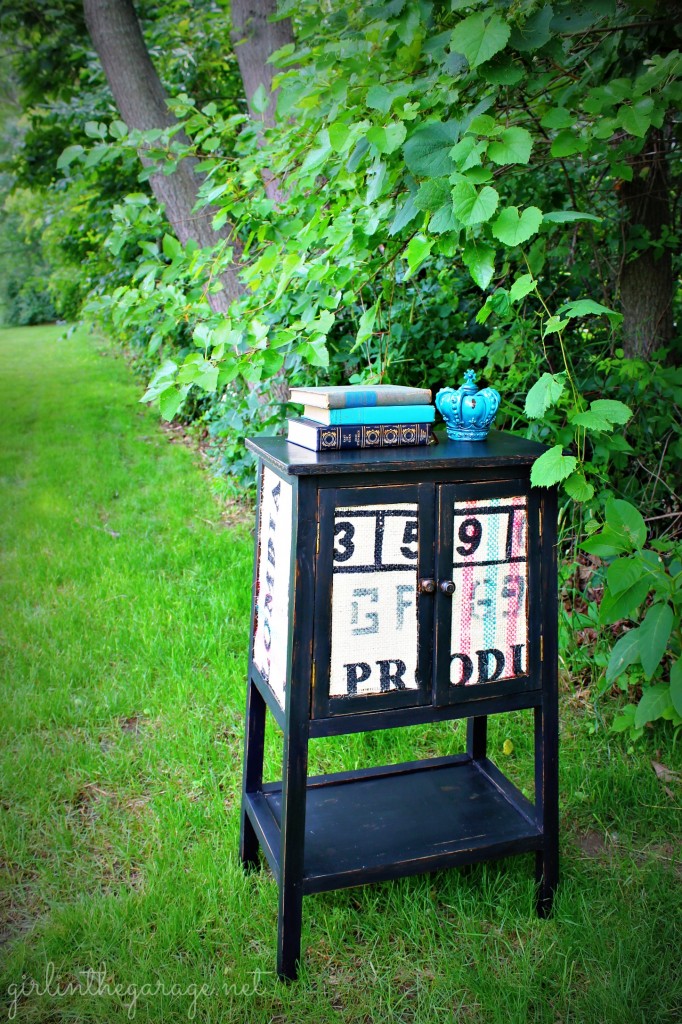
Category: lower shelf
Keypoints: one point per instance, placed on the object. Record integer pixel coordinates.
(399, 820)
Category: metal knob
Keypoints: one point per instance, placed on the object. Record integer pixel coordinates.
(447, 586)
(427, 586)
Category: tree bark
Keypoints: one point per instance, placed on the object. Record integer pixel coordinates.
(646, 281)
(255, 37)
(141, 101)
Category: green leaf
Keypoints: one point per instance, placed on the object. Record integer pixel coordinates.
(407, 212)
(558, 117)
(427, 151)
(467, 152)
(512, 229)
(588, 307)
(612, 410)
(443, 219)
(96, 130)
(417, 251)
(501, 70)
(118, 129)
(591, 421)
(339, 134)
(535, 31)
(655, 633)
(567, 143)
(552, 467)
(366, 325)
(622, 573)
(376, 178)
(625, 652)
(208, 378)
(260, 99)
(484, 124)
(356, 157)
(513, 147)
(379, 98)
(479, 258)
(625, 720)
(568, 217)
(432, 194)
(171, 247)
(624, 605)
(387, 139)
(553, 325)
(479, 38)
(654, 703)
(578, 488)
(636, 119)
(606, 543)
(545, 393)
(626, 520)
(68, 156)
(472, 207)
(522, 286)
(676, 685)
(272, 361)
(171, 400)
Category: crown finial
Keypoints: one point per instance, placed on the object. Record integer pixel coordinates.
(468, 412)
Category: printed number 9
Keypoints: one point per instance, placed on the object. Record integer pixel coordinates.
(470, 533)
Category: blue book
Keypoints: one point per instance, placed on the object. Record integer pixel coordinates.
(372, 414)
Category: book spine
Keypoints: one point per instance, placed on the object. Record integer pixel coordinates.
(387, 414)
(383, 435)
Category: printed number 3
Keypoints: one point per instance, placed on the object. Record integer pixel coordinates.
(345, 533)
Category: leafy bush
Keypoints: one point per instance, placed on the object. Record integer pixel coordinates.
(643, 585)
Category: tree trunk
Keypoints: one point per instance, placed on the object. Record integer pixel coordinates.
(255, 37)
(646, 281)
(141, 101)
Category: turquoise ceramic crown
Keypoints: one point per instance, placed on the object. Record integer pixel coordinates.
(468, 412)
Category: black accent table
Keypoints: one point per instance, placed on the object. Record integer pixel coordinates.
(398, 586)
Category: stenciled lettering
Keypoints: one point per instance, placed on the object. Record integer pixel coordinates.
(345, 532)
(410, 536)
(484, 657)
(470, 533)
(268, 598)
(402, 590)
(356, 672)
(467, 669)
(388, 678)
(371, 618)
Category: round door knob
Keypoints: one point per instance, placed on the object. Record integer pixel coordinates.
(447, 586)
(427, 586)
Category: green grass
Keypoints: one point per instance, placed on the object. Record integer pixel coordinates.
(124, 601)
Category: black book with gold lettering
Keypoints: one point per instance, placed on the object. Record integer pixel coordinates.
(319, 437)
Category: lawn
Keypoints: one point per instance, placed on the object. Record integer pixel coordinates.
(124, 603)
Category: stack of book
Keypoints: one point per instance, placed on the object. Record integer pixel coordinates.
(358, 416)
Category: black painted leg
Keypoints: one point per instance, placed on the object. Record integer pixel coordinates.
(477, 737)
(294, 779)
(253, 772)
(547, 804)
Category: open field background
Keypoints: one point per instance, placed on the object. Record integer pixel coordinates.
(124, 602)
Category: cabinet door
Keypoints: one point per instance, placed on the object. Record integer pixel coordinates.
(373, 627)
(488, 562)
